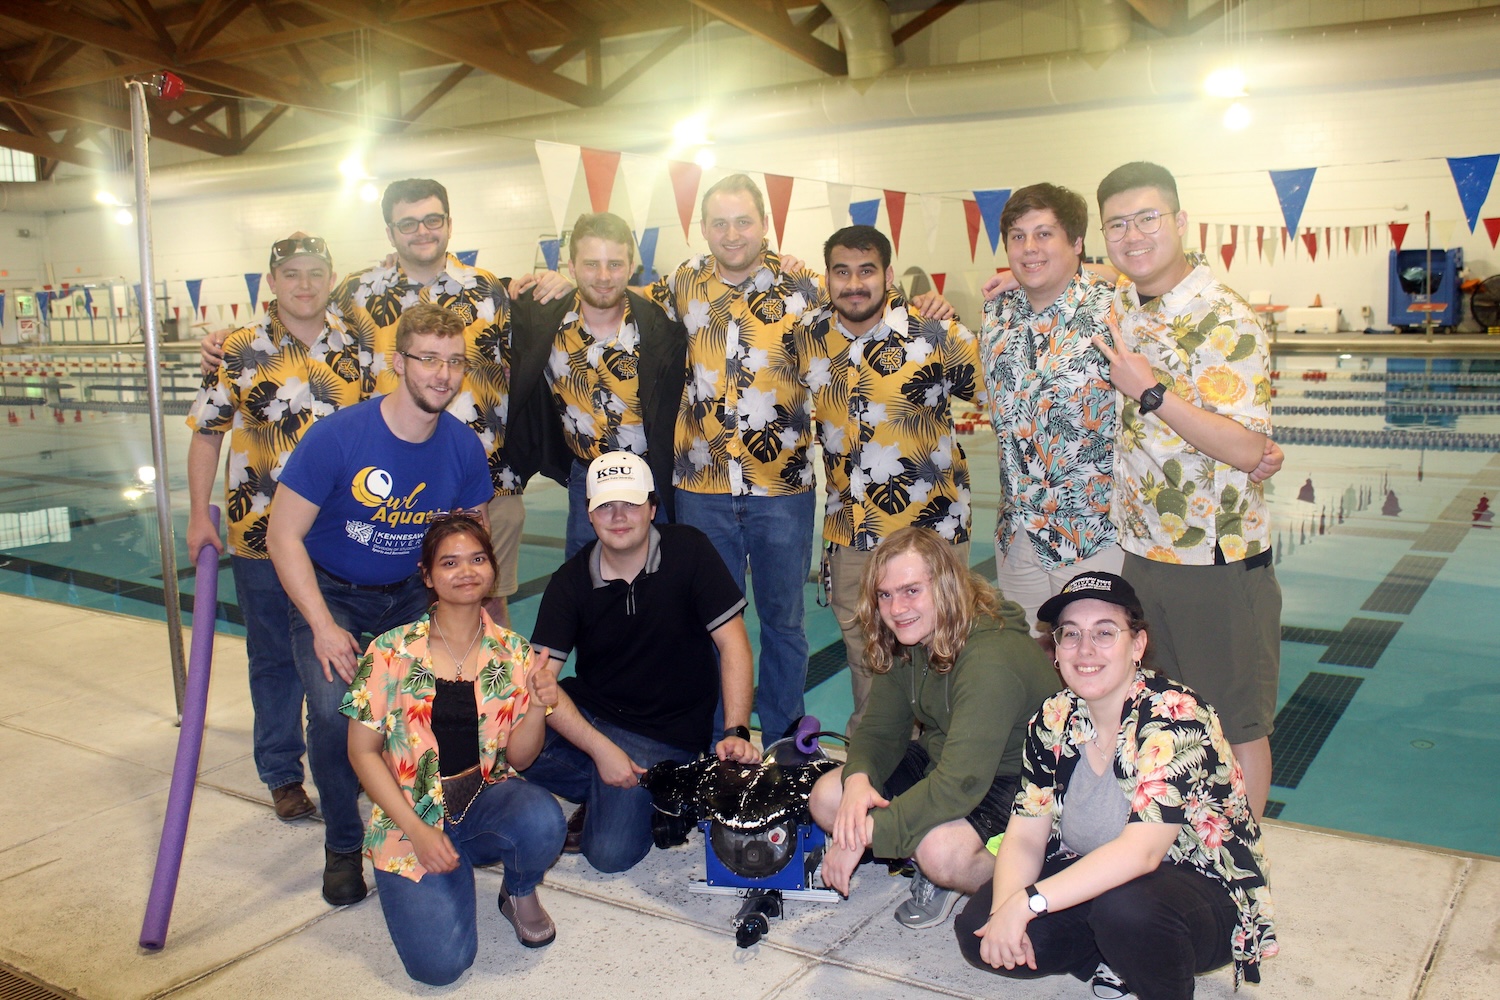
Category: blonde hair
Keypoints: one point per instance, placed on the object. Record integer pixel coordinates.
(959, 598)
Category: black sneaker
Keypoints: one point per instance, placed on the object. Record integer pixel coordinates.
(343, 877)
(573, 841)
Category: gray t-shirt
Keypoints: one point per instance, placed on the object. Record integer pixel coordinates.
(1094, 809)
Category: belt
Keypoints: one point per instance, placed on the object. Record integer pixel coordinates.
(1261, 558)
(375, 588)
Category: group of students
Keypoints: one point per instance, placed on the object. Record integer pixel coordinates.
(701, 398)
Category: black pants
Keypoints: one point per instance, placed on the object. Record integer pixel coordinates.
(1156, 932)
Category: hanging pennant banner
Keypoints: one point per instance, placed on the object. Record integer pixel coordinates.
(1218, 234)
(1310, 240)
(1472, 175)
(1346, 239)
(599, 168)
(991, 204)
(1227, 253)
(939, 279)
(864, 213)
(895, 211)
(559, 162)
(1398, 233)
(1491, 226)
(1291, 190)
(252, 283)
(468, 258)
(2, 307)
(551, 253)
(234, 307)
(971, 219)
(1260, 242)
(1270, 252)
(1203, 237)
(1283, 241)
(641, 174)
(932, 217)
(1327, 239)
(648, 248)
(779, 191)
(838, 204)
(1359, 239)
(138, 304)
(44, 306)
(685, 180)
(203, 310)
(194, 287)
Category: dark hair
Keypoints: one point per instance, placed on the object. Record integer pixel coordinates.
(439, 531)
(605, 226)
(735, 184)
(412, 189)
(1140, 174)
(427, 318)
(1071, 210)
(859, 238)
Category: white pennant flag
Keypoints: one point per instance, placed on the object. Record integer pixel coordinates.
(1218, 234)
(641, 174)
(1273, 240)
(559, 162)
(1358, 239)
(932, 216)
(838, 204)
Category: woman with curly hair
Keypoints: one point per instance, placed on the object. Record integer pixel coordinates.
(1132, 843)
(958, 663)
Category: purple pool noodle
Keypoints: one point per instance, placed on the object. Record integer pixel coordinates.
(189, 749)
(807, 734)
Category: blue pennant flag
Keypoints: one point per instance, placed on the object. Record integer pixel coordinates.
(195, 290)
(44, 306)
(991, 204)
(551, 251)
(252, 282)
(139, 305)
(648, 248)
(468, 258)
(1473, 176)
(88, 301)
(2, 308)
(863, 213)
(1291, 190)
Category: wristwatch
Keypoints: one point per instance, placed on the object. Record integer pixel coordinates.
(1152, 398)
(1035, 901)
(741, 732)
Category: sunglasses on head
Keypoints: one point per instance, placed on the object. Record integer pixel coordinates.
(283, 249)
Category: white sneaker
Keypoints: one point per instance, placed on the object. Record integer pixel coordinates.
(928, 905)
(1107, 985)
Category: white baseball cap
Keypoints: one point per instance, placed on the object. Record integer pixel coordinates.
(619, 475)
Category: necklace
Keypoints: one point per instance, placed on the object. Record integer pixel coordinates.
(458, 662)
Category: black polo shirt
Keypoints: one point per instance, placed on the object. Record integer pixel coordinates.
(646, 659)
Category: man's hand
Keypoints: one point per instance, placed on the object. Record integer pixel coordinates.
(1001, 283)
(211, 351)
(541, 677)
(854, 827)
(933, 306)
(551, 285)
(201, 532)
(1004, 939)
(838, 867)
(337, 650)
(1129, 372)
(1270, 464)
(734, 748)
(617, 769)
(791, 263)
(434, 850)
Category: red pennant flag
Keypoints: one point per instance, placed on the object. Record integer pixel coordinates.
(1346, 239)
(121, 311)
(685, 178)
(1492, 226)
(599, 169)
(177, 312)
(1203, 237)
(1398, 233)
(1260, 242)
(1283, 241)
(1234, 234)
(70, 312)
(204, 310)
(96, 312)
(939, 279)
(780, 190)
(65, 286)
(971, 216)
(1310, 240)
(1327, 239)
(265, 306)
(1227, 252)
(234, 307)
(895, 207)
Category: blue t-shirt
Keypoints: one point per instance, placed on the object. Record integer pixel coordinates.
(376, 492)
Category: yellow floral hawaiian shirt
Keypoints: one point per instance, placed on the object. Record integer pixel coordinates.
(382, 293)
(597, 386)
(1173, 503)
(392, 693)
(268, 390)
(881, 402)
(746, 419)
(1053, 409)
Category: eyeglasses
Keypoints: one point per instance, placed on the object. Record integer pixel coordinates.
(1069, 636)
(453, 515)
(432, 363)
(408, 226)
(312, 245)
(1146, 223)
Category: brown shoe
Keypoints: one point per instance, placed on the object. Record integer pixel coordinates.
(573, 842)
(534, 930)
(291, 802)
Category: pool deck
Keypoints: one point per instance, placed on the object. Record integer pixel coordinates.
(89, 735)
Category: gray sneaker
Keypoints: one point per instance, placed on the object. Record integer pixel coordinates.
(928, 905)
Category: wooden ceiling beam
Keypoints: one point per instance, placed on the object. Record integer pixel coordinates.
(154, 22)
(258, 129)
(923, 20)
(645, 62)
(293, 52)
(762, 24)
(1163, 15)
(815, 19)
(67, 50)
(42, 146)
(421, 10)
(276, 40)
(444, 87)
(198, 37)
(102, 74)
(83, 109)
(561, 54)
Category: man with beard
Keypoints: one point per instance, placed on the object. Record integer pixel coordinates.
(881, 376)
(345, 535)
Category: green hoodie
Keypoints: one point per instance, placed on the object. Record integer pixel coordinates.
(974, 720)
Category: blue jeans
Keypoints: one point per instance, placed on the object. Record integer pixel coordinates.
(617, 826)
(275, 688)
(775, 535)
(359, 611)
(432, 922)
(580, 529)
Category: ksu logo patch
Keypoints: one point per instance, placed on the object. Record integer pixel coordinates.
(359, 531)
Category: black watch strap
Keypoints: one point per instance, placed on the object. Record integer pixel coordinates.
(742, 732)
(1152, 398)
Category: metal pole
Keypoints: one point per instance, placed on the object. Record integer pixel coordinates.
(139, 139)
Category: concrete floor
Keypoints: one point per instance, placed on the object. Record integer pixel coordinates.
(88, 738)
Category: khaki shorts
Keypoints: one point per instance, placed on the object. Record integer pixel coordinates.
(1022, 578)
(1216, 629)
(507, 513)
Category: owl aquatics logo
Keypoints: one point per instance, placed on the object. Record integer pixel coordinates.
(373, 487)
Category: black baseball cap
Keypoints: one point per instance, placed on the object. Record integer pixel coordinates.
(1105, 587)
